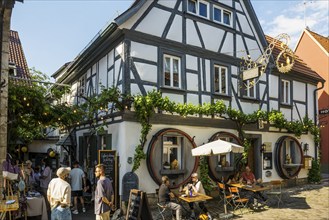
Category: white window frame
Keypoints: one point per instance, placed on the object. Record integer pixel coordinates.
(220, 81)
(81, 91)
(222, 15)
(285, 91)
(172, 71)
(168, 145)
(197, 7)
(249, 88)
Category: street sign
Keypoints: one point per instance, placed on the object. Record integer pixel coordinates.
(324, 111)
(251, 73)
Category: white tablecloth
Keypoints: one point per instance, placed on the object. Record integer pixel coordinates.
(37, 206)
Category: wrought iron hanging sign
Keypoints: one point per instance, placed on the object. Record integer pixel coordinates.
(251, 70)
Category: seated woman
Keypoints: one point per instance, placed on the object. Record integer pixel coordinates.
(234, 178)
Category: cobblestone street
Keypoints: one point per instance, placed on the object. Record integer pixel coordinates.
(300, 202)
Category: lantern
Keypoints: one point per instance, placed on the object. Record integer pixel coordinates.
(24, 149)
(51, 152)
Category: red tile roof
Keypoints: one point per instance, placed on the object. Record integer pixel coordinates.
(300, 67)
(323, 41)
(16, 55)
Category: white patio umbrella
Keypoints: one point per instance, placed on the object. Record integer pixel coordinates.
(217, 147)
(214, 148)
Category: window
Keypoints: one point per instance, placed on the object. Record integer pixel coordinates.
(285, 92)
(172, 71)
(221, 80)
(171, 151)
(12, 69)
(198, 7)
(218, 14)
(222, 16)
(203, 9)
(227, 17)
(191, 6)
(82, 84)
(249, 88)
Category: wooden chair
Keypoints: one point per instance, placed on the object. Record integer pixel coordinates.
(276, 190)
(223, 196)
(238, 202)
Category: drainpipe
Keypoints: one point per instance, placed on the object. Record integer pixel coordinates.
(316, 114)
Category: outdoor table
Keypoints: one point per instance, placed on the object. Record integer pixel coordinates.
(4, 208)
(36, 206)
(196, 198)
(253, 188)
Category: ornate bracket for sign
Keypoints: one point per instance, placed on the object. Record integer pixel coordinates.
(284, 62)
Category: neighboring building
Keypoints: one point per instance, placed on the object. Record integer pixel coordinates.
(17, 62)
(19, 72)
(190, 50)
(314, 50)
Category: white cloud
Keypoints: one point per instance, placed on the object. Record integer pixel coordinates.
(296, 17)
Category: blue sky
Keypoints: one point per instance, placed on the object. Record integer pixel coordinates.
(54, 32)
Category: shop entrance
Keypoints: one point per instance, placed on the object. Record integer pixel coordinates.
(254, 155)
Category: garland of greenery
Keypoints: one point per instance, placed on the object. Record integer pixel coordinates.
(145, 107)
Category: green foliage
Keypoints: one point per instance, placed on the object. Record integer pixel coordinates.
(314, 175)
(204, 178)
(138, 157)
(145, 107)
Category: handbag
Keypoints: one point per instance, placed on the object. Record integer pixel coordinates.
(10, 176)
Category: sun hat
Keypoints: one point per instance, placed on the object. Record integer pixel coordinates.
(63, 171)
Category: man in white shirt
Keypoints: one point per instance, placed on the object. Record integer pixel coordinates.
(59, 195)
(197, 187)
(77, 176)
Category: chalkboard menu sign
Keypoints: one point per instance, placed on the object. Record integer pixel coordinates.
(138, 207)
(109, 159)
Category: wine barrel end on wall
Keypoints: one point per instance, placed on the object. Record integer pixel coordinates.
(288, 157)
(169, 153)
(221, 166)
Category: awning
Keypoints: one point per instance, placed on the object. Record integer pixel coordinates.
(65, 140)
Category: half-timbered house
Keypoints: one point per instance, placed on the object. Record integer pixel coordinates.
(190, 51)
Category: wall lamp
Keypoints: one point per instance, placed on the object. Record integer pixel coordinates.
(262, 148)
(305, 148)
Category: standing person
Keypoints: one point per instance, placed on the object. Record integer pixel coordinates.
(36, 176)
(59, 195)
(165, 195)
(197, 187)
(104, 195)
(45, 178)
(77, 176)
(29, 174)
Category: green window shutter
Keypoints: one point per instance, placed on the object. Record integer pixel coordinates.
(108, 139)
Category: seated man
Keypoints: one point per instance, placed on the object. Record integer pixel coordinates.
(165, 195)
(197, 187)
(249, 178)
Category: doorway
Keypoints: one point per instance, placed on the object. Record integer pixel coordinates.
(254, 159)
